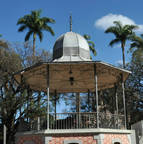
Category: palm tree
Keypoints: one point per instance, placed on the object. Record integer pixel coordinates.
(122, 34)
(35, 25)
(137, 46)
(91, 44)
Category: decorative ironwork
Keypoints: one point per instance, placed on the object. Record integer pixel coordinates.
(111, 121)
(77, 120)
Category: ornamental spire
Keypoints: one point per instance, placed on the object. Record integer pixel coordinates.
(70, 22)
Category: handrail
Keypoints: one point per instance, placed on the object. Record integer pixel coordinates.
(77, 120)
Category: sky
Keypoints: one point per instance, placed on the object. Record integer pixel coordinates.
(89, 17)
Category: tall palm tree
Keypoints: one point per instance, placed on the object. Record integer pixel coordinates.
(122, 34)
(91, 44)
(137, 47)
(35, 25)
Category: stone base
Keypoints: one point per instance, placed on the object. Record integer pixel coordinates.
(103, 136)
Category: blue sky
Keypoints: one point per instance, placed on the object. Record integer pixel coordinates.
(89, 17)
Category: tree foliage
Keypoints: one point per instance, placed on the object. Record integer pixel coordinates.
(17, 101)
(24, 50)
(137, 47)
(91, 44)
(9, 62)
(3, 43)
(122, 34)
(35, 25)
(134, 90)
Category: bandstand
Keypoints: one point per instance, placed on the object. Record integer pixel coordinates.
(72, 71)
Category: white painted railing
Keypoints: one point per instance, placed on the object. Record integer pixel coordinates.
(77, 120)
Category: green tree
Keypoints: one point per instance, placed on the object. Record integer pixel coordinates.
(9, 62)
(91, 44)
(17, 101)
(3, 43)
(134, 90)
(35, 25)
(137, 47)
(24, 50)
(122, 34)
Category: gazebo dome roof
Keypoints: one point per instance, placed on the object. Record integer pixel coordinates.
(71, 47)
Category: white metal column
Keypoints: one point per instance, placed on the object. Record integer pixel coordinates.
(4, 134)
(117, 108)
(38, 123)
(123, 89)
(96, 92)
(124, 101)
(48, 106)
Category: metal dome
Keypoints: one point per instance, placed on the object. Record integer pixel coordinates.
(71, 47)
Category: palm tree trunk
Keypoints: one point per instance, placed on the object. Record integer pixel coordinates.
(34, 40)
(123, 53)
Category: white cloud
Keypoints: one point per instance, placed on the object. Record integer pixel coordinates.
(117, 46)
(107, 21)
(140, 29)
(120, 62)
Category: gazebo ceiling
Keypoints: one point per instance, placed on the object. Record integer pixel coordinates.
(71, 76)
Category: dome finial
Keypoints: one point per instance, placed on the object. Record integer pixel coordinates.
(70, 22)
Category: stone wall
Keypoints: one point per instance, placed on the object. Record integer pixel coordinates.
(30, 139)
(73, 139)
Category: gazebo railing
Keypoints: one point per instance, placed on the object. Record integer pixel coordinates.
(73, 120)
(77, 120)
(111, 121)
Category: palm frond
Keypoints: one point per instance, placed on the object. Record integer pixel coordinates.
(111, 29)
(21, 21)
(114, 41)
(93, 50)
(87, 37)
(49, 29)
(132, 46)
(133, 27)
(128, 30)
(40, 35)
(136, 45)
(48, 20)
(22, 28)
(28, 35)
(138, 39)
(118, 24)
(36, 13)
(138, 54)
(114, 30)
(91, 43)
